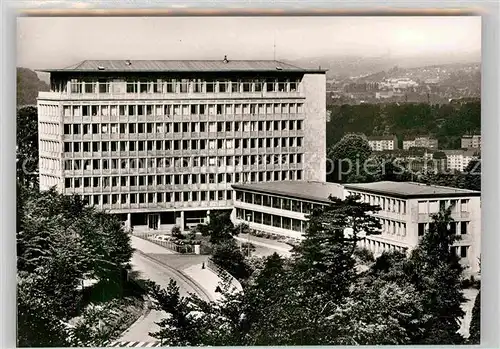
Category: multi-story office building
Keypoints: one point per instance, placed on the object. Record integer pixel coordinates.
(161, 142)
(458, 159)
(280, 208)
(421, 142)
(473, 142)
(406, 214)
(380, 143)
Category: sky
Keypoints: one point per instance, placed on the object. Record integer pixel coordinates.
(44, 42)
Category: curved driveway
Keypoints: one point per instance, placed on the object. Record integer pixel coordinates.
(156, 263)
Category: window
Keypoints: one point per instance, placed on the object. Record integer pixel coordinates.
(433, 207)
(463, 227)
(463, 251)
(421, 229)
(463, 205)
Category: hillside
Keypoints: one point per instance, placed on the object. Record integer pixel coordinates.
(28, 86)
(445, 122)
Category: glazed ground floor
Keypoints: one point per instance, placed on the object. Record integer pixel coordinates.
(162, 221)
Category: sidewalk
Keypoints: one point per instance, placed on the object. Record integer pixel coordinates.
(205, 278)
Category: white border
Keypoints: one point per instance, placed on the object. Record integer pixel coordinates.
(490, 324)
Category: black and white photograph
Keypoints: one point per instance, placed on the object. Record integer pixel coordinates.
(248, 181)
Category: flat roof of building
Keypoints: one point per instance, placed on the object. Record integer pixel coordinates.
(305, 190)
(183, 66)
(410, 190)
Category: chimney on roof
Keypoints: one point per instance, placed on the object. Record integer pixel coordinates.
(100, 67)
(127, 62)
(225, 59)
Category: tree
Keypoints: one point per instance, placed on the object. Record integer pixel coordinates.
(27, 146)
(472, 175)
(38, 325)
(475, 323)
(326, 256)
(436, 273)
(180, 327)
(349, 158)
(219, 227)
(227, 255)
(376, 313)
(60, 242)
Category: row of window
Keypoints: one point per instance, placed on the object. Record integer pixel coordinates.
(194, 108)
(181, 86)
(277, 202)
(460, 228)
(378, 246)
(386, 204)
(435, 206)
(175, 127)
(157, 197)
(180, 162)
(271, 220)
(194, 144)
(390, 227)
(427, 206)
(184, 179)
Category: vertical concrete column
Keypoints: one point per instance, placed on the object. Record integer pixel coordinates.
(182, 221)
(128, 222)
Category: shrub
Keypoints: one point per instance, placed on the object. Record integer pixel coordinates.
(176, 232)
(364, 254)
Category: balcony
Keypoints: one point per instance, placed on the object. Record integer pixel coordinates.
(166, 96)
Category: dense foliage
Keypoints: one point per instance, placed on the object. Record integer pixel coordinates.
(61, 242)
(475, 323)
(27, 146)
(447, 122)
(354, 162)
(318, 297)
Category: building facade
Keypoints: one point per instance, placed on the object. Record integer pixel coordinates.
(406, 215)
(380, 143)
(421, 142)
(161, 142)
(459, 159)
(280, 208)
(471, 142)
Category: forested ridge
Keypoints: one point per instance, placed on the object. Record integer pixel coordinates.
(447, 122)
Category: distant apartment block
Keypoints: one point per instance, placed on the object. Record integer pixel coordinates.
(406, 215)
(160, 143)
(421, 142)
(380, 143)
(471, 142)
(459, 159)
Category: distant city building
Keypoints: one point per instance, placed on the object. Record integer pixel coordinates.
(459, 159)
(405, 215)
(379, 143)
(422, 142)
(384, 94)
(471, 141)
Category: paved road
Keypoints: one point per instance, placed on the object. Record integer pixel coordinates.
(149, 268)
